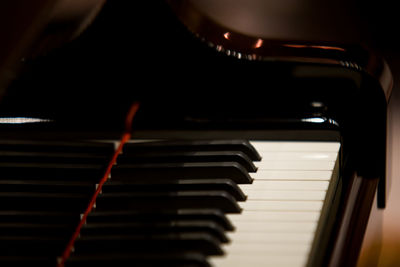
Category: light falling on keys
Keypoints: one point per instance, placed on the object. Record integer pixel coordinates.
(283, 206)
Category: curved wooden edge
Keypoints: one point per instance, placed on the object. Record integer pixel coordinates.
(239, 45)
(353, 218)
(341, 231)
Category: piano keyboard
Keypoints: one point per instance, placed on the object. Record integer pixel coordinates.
(44, 186)
(283, 206)
(189, 203)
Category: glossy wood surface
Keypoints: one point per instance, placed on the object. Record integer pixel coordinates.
(382, 241)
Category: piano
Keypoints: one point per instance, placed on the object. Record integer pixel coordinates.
(159, 136)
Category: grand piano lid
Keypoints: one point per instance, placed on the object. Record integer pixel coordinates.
(230, 29)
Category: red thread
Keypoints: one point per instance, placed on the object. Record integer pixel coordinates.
(129, 117)
(125, 137)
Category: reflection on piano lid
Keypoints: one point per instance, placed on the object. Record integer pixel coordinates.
(202, 87)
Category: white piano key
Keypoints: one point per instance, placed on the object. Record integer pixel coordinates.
(299, 155)
(321, 165)
(280, 216)
(253, 248)
(272, 238)
(284, 195)
(269, 146)
(285, 185)
(292, 175)
(275, 205)
(262, 227)
(259, 260)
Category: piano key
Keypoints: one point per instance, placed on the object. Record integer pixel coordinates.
(292, 146)
(272, 238)
(198, 145)
(165, 215)
(276, 205)
(220, 170)
(50, 217)
(164, 200)
(321, 165)
(36, 229)
(51, 171)
(31, 245)
(176, 226)
(47, 186)
(303, 175)
(285, 185)
(52, 157)
(258, 248)
(66, 146)
(277, 216)
(298, 155)
(256, 195)
(199, 242)
(187, 157)
(28, 260)
(260, 260)
(262, 227)
(180, 259)
(244, 253)
(43, 201)
(144, 185)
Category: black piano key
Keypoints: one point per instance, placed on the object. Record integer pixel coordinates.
(42, 261)
(64, 146)
(134, 228)
(31, 245)
(144, 185)
(145, 259)
(166, 215)
(51, 171)
(52, 157)
(187, 157)
(39, 217)
(168, 200)
(22, 201)
(35, 229)
(198, 145)
(201, 242)
(47, 186)
(220, 170)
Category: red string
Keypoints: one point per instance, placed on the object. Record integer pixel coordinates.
(125, 137)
